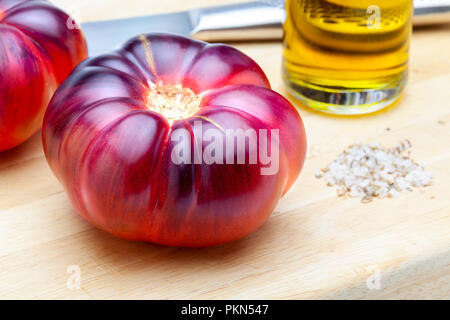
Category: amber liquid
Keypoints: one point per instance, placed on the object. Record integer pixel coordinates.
(347, 56)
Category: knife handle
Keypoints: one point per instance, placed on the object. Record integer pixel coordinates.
(262, 20)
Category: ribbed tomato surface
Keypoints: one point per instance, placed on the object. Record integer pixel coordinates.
(109, 138)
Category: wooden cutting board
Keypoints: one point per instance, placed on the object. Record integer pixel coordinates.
(315, 245)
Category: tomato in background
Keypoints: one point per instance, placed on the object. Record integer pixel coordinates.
(38, 50)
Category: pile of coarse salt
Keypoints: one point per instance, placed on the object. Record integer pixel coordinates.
(371, 171)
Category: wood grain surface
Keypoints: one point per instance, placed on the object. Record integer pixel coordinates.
(315, 245)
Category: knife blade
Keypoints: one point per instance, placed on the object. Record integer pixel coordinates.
(257, 20)
(104, 36)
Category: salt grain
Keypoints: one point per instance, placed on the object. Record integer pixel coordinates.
(318, 174)
(371, 171)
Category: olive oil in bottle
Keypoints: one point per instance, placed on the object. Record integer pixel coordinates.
(347, 56)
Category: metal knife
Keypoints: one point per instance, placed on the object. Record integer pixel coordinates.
(257, 20)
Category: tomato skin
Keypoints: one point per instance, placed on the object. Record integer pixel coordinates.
(37, 52)
(113, 152)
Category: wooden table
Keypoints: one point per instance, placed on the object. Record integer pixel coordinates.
(315, 245)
